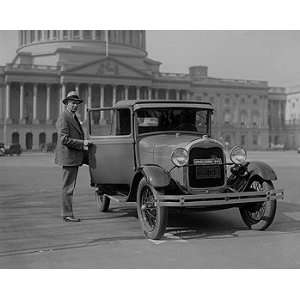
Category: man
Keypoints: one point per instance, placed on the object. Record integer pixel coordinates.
(69, 151)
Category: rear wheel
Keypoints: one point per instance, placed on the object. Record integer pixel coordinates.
(153, 218)
(259, 216)
(103, 201)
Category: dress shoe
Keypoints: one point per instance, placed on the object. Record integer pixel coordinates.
(71, 219)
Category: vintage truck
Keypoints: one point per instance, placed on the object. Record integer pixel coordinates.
(160, 154)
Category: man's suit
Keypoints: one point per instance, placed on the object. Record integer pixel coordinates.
(69, 155)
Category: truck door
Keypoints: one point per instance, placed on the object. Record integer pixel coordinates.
(112, 155)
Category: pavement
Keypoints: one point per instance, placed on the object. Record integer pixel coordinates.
(33, 235)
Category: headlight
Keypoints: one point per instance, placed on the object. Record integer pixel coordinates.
(238, 155)
(180, 157)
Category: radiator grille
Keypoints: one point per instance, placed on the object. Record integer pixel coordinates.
(207, 169)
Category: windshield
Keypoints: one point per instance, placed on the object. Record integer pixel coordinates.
(173, 119)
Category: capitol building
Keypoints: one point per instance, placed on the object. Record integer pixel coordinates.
(110, 66)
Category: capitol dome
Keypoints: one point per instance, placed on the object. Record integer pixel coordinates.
(47, 42)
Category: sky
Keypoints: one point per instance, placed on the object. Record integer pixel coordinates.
(238, 54)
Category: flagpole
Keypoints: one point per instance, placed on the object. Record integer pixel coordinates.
(106, 42)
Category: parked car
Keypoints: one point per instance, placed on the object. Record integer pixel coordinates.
(13, 149)
(160, 154)
(2, 149)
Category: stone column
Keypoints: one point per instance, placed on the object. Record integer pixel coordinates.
(167, 94)
(101, 103)
(48, 104)
(126, 92)
(63, 95)
(114, 95)
(7, 103)
(34, 117)
(149, 93)
(156, 93)
(177, 94)
(137, 93)
(89, 101)
(93, 34)
(21, 118)
(189, 95)
(78, 111)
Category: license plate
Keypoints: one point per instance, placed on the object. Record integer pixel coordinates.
(204, 172)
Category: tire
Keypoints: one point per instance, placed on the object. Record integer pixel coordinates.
(153, 218)
(103, 201)
(259, 216)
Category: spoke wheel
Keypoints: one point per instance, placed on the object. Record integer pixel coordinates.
(152, 217)
(259, 215)
(102, 201)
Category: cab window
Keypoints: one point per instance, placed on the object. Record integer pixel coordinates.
(110, 122)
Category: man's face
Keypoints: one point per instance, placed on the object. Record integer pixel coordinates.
(72, 105)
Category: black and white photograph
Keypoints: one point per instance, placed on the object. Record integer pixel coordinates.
(141, 148)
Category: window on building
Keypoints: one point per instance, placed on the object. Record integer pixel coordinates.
(227, 101)
(76, 34)
(32, 36)
(65, 34)
(243, 100)
(39, 35)
(255, 101)
(227, 117)
(228, 140)
(87, 34)
(244, 118)
(255, 139)
(243, 140)
(255, 118)
(99, 35)
(130, 37)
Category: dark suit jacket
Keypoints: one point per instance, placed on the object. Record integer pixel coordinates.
(69, 149)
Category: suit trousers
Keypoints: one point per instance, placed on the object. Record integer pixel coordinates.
(69, 183)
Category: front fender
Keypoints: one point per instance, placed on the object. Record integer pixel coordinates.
(240, 180)
(155, 175)
(262, 170)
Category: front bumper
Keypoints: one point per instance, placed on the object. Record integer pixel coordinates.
(205, 200)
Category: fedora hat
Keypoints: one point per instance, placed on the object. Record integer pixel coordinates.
(72, 96)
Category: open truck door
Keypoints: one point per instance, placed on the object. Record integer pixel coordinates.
(111, 158)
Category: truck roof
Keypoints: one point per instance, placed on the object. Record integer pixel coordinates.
(129, 103)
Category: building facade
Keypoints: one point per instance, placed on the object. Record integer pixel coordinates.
(109, 66)
(293, 117)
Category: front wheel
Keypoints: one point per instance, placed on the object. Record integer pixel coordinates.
(259, 216)
(153, 218)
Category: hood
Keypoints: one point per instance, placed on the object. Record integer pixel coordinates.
(158, 149)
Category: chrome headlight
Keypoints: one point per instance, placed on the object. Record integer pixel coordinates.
(238, 155)
(180, 157)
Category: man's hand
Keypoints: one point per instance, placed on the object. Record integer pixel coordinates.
(86, 143)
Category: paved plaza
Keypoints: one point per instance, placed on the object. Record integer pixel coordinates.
(33, 235)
